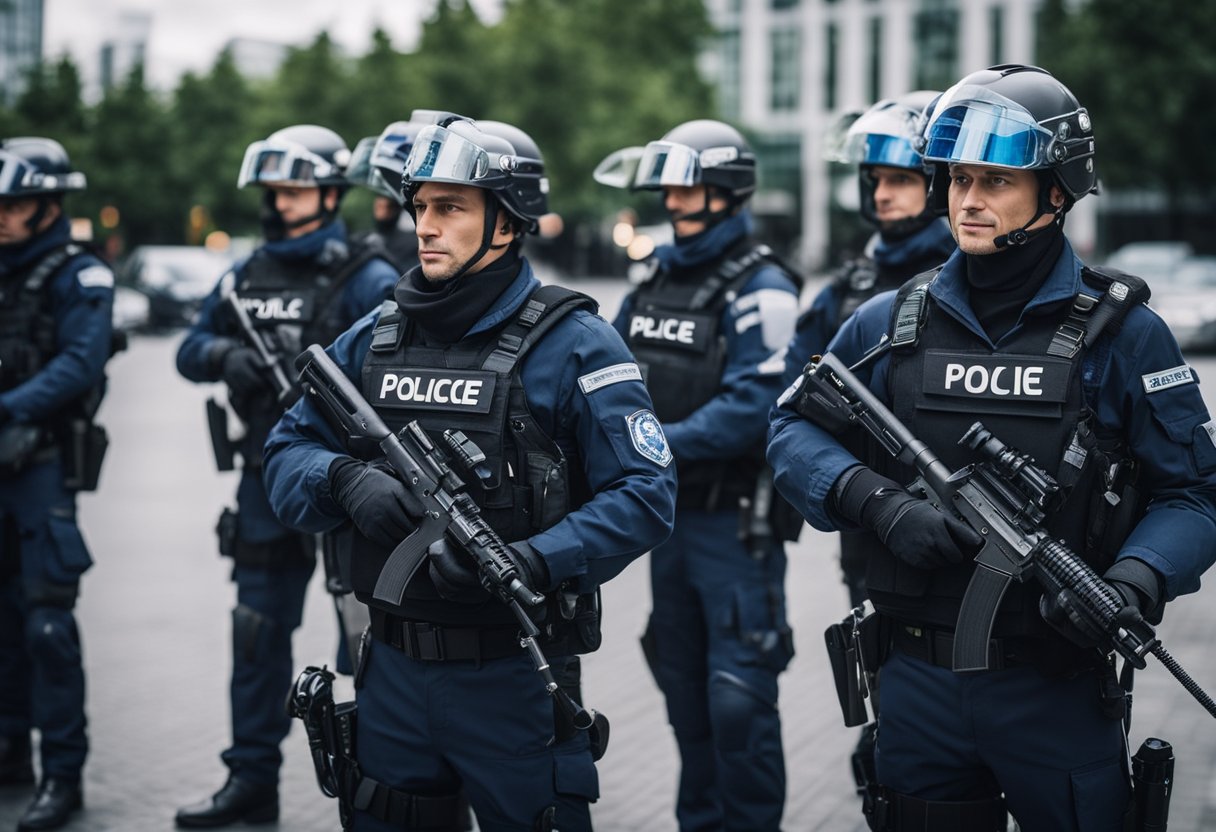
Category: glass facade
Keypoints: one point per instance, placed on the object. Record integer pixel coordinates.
(831, 65)
(874, 66)
(785, 71)
(729, 94)
(20, 44)
(996, 35)
(936, 32)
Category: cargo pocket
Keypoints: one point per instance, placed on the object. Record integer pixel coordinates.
(574, 775)
(1178, 412)
(757, 620)
(1100, 796)
(68, 557)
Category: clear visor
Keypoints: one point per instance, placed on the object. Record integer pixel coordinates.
(19, 178)
(884, 136)
(619, 168)
(282, 163)
(439, 155)
(666, 163)
(359, 171)
(974, 125)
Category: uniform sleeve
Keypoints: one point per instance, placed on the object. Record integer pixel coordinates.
(806, 459)
(1153, 398)
(757, 325)
(83, 298)
(601, 408)
(301, 446)
(368, 288)
(812, 332)
(198, 355)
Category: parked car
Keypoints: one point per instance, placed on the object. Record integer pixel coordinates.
(1185, 298)
(176, 279)
(1154, 260)
(130, 309)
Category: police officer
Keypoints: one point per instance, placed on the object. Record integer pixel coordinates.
(306, 283)
(55, 307)
(577, 477)
(909, 238)
(705, 328)
(1111, 395)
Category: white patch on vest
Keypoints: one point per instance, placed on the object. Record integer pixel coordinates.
(773, 365)
(776, 312)
(609, 375)
(1210, 427)
(1164, 380)
(647, 436)
(96, 277)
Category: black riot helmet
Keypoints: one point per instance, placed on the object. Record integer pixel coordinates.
(378, 162)
(492, 155)
(1012, 116)
(886, 135)
(300, 156)
(38, 168)
(700, 152)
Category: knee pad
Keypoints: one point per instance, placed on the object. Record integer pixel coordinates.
(51, 634)
(251, 633)
(735, 707)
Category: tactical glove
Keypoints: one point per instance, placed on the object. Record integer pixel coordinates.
(244, 371)
(913, 529)
(1138, 586)
(455, 575)
(378, 503)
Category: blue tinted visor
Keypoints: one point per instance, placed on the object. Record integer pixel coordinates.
(892, 151)
(977, 126)
(884, 135)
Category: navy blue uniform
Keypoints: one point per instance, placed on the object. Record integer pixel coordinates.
(718, 627)
(42, 553)
(434, 727)
(270, 597)
(1043, 736)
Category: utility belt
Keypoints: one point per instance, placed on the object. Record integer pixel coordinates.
(78, 444)
(1050, 657)
(290, 550)
(426, 642)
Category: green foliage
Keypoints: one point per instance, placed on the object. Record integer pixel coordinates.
(582, 77)
(1144, 69)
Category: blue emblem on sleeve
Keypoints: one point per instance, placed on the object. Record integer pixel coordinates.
(648, 438)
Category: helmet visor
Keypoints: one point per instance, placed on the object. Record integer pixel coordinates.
(667, 164)
(19, 178)
(439, 155)
(14, 173)
(883, 136)
(975, 125)
(619, 168)
(283, 163)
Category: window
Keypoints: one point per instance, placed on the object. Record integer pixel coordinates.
(783, 4)
(831, 48)
(874, 79)
(728, 79)
(936, 33)
(996, 34)
(785, 71)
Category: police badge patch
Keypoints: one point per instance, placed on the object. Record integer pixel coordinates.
(647, 436)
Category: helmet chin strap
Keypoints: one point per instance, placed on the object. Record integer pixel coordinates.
(275, 227)
(1021, 236)
(487, 237)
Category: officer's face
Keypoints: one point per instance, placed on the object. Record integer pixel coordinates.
(681, 201)
(450, 222)
(14, 216)
(899, 194)
(986, 202)
(384, 209)
(294, 204)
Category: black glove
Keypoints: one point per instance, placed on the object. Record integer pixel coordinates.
(378, 503)
(455, 575)
(1138, 586)
(244, 371)
(913, 529)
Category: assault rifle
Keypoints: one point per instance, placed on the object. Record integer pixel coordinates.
(1005, 497)
(450, 511)
(285, 392)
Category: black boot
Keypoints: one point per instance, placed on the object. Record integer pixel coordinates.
(238, 800)
(52, 806)
(15, 766)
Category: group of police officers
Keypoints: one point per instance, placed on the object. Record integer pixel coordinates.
(587, 444)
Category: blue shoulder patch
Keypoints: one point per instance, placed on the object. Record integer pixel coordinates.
(647, 435)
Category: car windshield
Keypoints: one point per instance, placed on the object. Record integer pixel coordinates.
(1153, 261)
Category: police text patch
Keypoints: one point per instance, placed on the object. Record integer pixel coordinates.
(1029, 378)
(609, 375)
(1153, 382)
(95, 277)
(685, 332)
(648, 438)
(470, 391)
(278, 308)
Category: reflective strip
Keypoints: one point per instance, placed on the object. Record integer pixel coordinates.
(1164, 380)
(96, 276)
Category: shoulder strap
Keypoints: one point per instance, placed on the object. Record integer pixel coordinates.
(359, 253)
(49, 265)
(543, 308)
(1094, 312)
(388, 332)
(910, 308)
(734, 273)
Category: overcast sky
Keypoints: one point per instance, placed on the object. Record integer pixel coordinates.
(187, 34)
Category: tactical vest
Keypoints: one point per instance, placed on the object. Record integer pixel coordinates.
(1032, 393)
(27, 322)
(856, 283)
(525, 483)
(675, 335)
